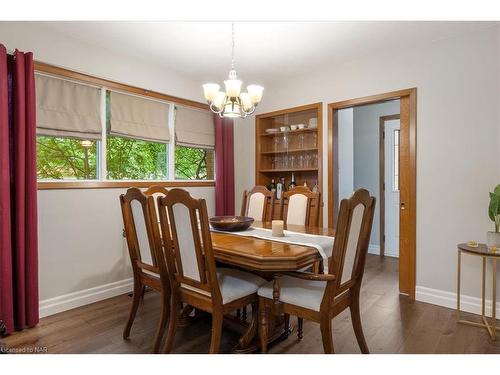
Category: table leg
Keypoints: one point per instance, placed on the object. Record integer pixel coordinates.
(459, 255)
(494, 301)
(483, 288)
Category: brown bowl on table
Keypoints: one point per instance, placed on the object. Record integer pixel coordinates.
(231, 223)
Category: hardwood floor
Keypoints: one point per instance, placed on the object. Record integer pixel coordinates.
(391, 325)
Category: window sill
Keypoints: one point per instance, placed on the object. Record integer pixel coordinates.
(60, 185)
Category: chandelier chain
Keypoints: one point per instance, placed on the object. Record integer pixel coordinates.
(232, 46)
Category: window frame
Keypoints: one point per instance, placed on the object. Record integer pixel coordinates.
(102, 181)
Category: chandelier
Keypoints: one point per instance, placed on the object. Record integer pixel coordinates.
(232, 102)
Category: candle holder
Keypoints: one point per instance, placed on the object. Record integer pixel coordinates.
(277, 228)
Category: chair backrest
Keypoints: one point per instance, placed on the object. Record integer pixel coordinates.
(191, 264)
(142, 233)
(258, 203)
(156, 191)
(352, 237)
(300, 206)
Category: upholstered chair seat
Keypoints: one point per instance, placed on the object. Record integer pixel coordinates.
(297, 292)
(234, 284)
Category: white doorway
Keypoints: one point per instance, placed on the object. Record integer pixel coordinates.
(390, 130)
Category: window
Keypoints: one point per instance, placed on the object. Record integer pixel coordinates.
(135, 144)
(132, 159)
(194, 163)
(195, 140)
(66, 158)
(395, 158)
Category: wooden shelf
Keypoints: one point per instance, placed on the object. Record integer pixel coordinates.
(294, 150)
(306, 130)
(294, 170)
(264, 144)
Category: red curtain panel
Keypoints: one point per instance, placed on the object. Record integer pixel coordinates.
(18, 192)
(224, 166)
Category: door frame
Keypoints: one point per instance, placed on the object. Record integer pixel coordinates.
(381, 174)
(407, 178)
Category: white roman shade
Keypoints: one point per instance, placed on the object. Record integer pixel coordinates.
(139, 118)
(194, 127)
(67, 109)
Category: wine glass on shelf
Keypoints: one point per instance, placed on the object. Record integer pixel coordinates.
(276, 143)
(284, 140)
(292, 161)
(314, 140)
(301, 140)
(300, 161)
(307, 160)
(315, 160)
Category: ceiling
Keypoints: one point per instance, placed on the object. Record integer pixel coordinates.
(265, 51)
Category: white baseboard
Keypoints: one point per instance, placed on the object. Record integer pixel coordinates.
(375, 249)
(69, 301)
(449, 299)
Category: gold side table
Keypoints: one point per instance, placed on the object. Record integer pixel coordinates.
(482, 251)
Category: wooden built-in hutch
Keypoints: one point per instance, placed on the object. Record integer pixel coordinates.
(280, 153)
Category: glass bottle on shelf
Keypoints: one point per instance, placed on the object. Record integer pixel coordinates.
(280, 188)
(315, 188)
(292, 182)
(305, 184)
(272, 186)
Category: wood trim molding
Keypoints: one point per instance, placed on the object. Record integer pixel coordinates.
(87, 78)
(408, 175)
(381, 175)
(372, 99)
(61, 185)
(318, 105)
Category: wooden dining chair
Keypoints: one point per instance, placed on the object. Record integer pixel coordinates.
(300, 206)
(258, 203)
(193, 275)
(321, 297)
(146, 255)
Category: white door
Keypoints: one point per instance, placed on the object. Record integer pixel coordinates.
(391, 180)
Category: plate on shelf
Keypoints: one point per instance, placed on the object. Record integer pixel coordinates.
(271, 130)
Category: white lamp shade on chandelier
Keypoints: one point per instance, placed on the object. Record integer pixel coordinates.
(232, 102)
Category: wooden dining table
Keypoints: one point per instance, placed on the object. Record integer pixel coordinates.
(266, 257)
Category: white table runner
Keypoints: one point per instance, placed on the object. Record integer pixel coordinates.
(324, 244)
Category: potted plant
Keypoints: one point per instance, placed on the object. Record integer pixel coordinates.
(493, 238)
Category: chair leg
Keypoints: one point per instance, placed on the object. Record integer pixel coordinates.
(263, 324)
(244, 314)
(356, 324)
(216, 333)
(136, 299)
(326, 334)
(162, 324)
(300, 331)
(172, 325)
(249, 335)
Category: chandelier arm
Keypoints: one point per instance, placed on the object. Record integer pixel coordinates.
(214, 109)
(252, 110)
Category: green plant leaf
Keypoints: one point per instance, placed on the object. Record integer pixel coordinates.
(494, 207)
(497, 190)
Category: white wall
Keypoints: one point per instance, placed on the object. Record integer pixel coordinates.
(82, 254)
(366, 153)
(457, 139)
(346, 152)
(244, 157)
